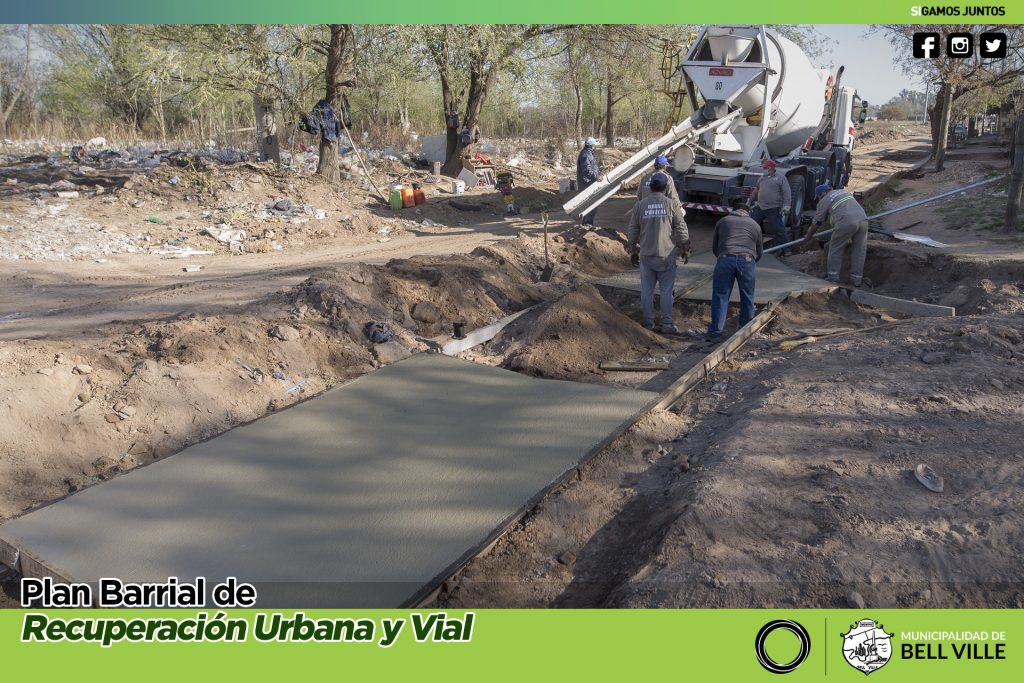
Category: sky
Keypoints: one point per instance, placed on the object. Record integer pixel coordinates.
(868, 62)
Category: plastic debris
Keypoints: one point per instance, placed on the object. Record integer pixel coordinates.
(169, 251)
(379, 332)
(226, 235)
(929, 478)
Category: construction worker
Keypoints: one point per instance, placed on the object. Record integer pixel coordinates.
(587, 173)
(771, 196)
(738, 244)
(849, 224)
(660, 166)
(657, 236)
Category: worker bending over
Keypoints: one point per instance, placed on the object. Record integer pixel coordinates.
(849, 224)
(772, 196)
(657, 236)
(660, 166)
(738, 244)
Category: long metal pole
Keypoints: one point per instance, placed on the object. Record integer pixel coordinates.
(911, 205)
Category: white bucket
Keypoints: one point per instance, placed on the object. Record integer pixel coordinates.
(458, 186)
(564, 185)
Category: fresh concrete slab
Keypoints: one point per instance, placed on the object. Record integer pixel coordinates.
(693, 280)
(688, 276)
(357, 498)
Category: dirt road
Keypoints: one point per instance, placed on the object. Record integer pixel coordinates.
(46, 299)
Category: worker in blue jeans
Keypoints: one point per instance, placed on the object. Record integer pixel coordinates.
(657, 236)
(738, 244)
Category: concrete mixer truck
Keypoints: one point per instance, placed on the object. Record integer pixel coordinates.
(755, 96)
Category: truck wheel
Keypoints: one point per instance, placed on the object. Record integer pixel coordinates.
(797, 191)
(847, 171)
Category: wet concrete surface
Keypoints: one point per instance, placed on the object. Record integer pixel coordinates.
(356, 498)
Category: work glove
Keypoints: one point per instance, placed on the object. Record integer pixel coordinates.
(634, 258)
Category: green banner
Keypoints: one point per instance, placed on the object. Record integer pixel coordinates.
(546, 11)
(514, 645)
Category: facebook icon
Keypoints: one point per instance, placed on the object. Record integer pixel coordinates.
(926, 45)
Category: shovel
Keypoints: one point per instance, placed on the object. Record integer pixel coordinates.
(545, 275)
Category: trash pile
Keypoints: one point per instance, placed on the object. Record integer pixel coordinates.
(47, 233)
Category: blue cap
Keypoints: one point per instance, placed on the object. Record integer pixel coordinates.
(659, 181)
(661, 161)
(822, 189)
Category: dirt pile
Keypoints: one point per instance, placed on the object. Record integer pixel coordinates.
(74, 414)
(569, 338)
(423, 296)
(597, 252)
(877, 132)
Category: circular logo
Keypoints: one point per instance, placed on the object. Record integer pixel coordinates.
(793, 627)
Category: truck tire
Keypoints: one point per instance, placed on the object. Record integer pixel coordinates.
(798, 194)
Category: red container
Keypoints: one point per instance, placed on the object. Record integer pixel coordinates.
(408, 198)
(419, 195)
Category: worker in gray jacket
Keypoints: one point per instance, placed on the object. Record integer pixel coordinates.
(657, 236)
(738, 244)
(660, 166)
(849, 224)
(770, 199)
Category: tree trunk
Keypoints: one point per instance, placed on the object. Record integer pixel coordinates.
(940, 150)
(15, 92)
(403, 115)
(452, 134)
(609, 116)
(1017, 179)
(479, 85)
(269, 145)
(329, 167)
(577, 121)
(935, 116)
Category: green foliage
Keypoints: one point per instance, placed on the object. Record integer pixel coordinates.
(197, 82)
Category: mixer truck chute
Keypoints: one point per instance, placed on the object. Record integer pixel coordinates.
(755, 96)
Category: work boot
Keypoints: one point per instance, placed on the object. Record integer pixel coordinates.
(669, 329)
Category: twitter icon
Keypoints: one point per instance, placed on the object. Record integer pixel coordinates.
(992, 45)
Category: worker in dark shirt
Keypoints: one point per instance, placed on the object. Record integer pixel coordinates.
(587, 173)
(737, 244)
